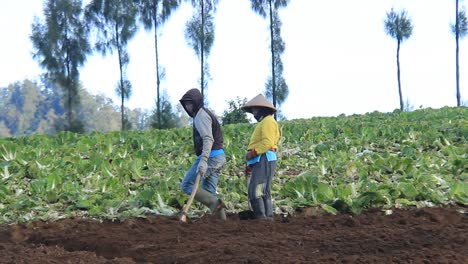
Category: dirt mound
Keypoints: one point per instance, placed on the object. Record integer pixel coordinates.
(429, 235)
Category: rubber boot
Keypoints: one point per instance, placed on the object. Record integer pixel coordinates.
(268, 208)
(258, 208)
(216, 205)
(220, 210)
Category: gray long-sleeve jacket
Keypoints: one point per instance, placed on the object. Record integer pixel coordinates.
(207, 133)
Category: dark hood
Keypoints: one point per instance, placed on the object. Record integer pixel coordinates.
(194, 96)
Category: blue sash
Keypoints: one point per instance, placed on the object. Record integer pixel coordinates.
(214, 153)
(270, 155)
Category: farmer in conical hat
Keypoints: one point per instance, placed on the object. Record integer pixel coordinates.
(261, 156)
(208, 144)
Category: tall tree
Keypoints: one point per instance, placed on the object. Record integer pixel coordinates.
(270, 8)
(399, 27)
(460, 29)
(115, 22)
(166, 118)
(281, 91)
(153, 14)
(199, 33)
(61, 46)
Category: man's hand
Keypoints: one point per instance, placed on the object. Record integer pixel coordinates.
(202, 166)
(251, 153)
(248, 170)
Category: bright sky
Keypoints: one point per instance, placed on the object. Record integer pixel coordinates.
(338, 58)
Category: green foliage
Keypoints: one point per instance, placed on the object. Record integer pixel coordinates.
(337, 164)
(200, 37)
(398, 25)
(199, 33)
(115, 24)
(277, 89)
(275, 86)
(459, 29)
(262, 7)
(19, 104)
(61, 45)
(377, 160)
(166, 118)
(462, 28)
(28, 108)
(153, 14)
(235, 114)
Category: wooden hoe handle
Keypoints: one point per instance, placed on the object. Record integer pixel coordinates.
(183, 215)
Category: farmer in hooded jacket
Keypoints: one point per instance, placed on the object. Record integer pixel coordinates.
(261, 156)
(208, 143)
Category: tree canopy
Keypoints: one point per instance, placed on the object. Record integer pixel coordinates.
(399, 27)
(61, 45)
(115, 23)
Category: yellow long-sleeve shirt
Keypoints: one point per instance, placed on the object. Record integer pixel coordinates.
(265, 136)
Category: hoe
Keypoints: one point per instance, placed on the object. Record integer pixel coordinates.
(183, 214)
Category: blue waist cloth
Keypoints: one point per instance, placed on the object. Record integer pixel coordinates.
(270, 155)
(214, 153)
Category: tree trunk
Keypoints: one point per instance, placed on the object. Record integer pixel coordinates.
(457, 36)
(119, 52)
(69, 107)
(398, 75)
(158, 100)
(273, 76)
(202, 47)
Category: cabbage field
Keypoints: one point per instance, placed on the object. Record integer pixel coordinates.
(345, 166)
(345, 163)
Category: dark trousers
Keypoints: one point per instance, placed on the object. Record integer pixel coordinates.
(259, 191)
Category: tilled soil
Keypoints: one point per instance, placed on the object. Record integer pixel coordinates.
(429, 235)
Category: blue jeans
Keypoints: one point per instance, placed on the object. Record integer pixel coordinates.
(210, 181)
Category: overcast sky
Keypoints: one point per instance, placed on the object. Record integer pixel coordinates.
(338, 58)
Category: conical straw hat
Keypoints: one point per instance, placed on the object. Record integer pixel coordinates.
(258, 101)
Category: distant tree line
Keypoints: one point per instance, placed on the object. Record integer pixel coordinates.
(71, 31)
(62, 42)
(29, 107)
